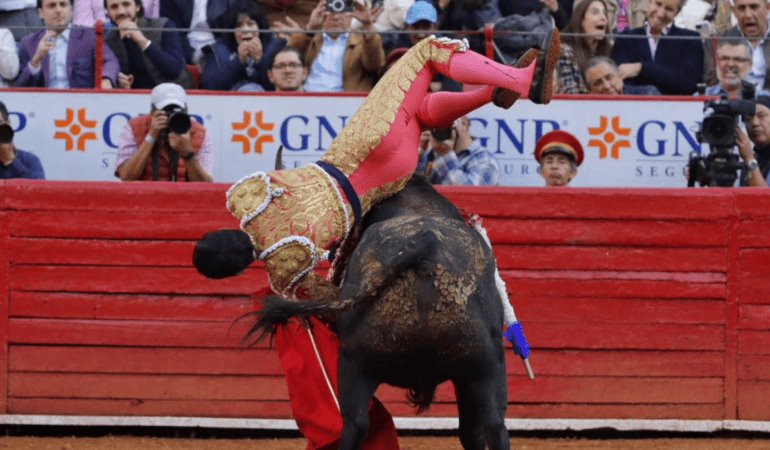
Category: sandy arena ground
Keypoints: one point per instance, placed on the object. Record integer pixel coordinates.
(407, 443)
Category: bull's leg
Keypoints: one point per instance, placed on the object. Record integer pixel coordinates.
(356, 390)
(481, 405)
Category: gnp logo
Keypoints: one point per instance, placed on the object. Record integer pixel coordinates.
(74, 130)
(610, 137)
(258, 131)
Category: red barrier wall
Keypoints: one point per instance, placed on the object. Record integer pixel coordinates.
(638, 303)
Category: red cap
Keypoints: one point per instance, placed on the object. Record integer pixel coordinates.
(559, 141)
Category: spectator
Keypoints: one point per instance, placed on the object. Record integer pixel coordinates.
(238, 61)
(200, 19)
(459, 159)
(755, 149)
(59, 56)
(20, 16)
(9, 59)
(147, 56)
(603, 77)
(674, 66)
(708, 17)
(559, 154)
(589, 28)
(338, 60)
(287, 72)
(421, 20)
(87, 12)
(149, 150)
(733, 66)
(15, 163)
(560, 10)
(623, 15)
(752, 26)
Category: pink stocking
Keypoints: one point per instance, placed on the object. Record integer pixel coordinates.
(439, 109)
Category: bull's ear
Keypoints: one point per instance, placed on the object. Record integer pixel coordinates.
(279, 159)
(223, 253)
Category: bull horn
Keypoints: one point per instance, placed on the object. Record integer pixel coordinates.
(279, 159)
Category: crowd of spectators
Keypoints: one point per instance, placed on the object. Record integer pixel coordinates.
(609, 47)
(666, 46)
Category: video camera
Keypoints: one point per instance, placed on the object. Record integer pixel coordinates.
(718, 130)
(6, 134)
(179, 121)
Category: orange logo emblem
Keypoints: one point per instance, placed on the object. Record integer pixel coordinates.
(259, 131)
(609, 139)
(74, 133)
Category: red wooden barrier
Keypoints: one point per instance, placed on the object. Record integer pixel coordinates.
(638, 303)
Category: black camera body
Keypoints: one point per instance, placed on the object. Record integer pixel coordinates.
(179, 121)
(721, 166)
(441, 134)
(339, 6)
(6, 134)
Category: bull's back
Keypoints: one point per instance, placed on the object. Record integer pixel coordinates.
(440, 303)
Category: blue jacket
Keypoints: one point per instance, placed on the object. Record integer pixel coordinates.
(222, 70)
(25, 165)
(678, 64)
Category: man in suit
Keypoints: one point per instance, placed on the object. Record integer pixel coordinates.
(362, 54)
(602, 77)
(61, 56)
(672, 64)
(200, 17)
(752, 26)
(149, 50)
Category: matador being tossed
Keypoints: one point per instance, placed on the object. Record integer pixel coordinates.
(294, 217)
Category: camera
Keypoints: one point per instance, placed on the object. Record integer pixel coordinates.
(441, 134)
(339, 6)
(721, 166)
(6, 134)
(179, 121)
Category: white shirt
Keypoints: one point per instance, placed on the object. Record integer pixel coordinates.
(653, 40)
(57, 70)
(14, 5)
(325, 73)
(757, 73)
(200, 34)
(9, 59)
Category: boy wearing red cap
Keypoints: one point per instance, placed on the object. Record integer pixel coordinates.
(559, 154)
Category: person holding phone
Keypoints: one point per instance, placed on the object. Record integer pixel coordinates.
(339, 60)
(60, 56)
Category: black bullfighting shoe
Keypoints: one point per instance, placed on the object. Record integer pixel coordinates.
(541, 89)
(505, 98)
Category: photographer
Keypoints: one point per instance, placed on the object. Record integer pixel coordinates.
(338, 59)
(15, 163)
(756, 158)
(455, 158)
(165, 145)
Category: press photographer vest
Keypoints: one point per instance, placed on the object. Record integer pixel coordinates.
(152, 30)
(140, 126)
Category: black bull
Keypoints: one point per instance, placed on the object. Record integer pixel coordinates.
(418, 306)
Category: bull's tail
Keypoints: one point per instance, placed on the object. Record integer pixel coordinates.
(277, 311)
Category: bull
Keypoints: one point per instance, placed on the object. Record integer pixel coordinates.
(418, 306)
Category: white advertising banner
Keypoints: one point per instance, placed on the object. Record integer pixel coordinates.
(628, 143)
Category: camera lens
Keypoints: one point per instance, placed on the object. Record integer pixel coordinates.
(179, 122)
(6, 134)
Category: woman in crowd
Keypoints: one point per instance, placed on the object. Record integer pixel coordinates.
(585, 37)
(239, 61)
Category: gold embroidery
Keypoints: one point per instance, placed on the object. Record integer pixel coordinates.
(283, 265)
